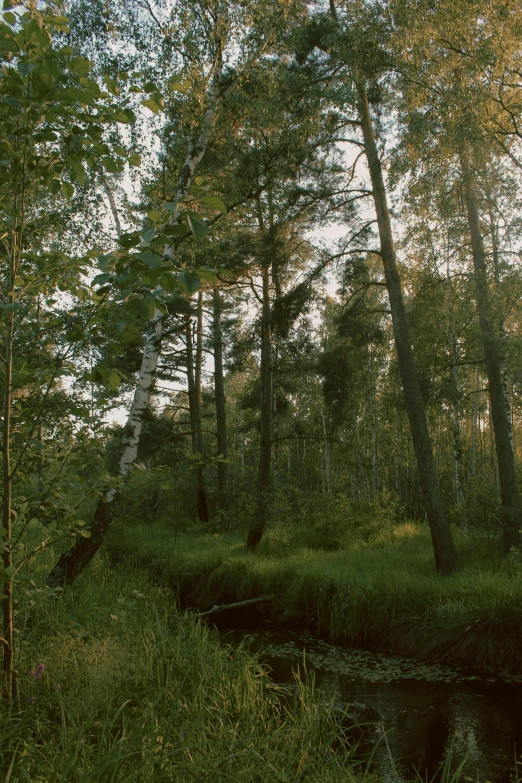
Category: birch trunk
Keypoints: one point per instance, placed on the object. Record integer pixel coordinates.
(443, 547)
(72, 562)
(201, 495)
(511, 516)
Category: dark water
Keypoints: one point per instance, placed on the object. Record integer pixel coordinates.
(424, 713)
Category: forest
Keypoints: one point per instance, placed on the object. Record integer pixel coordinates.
(261, 390)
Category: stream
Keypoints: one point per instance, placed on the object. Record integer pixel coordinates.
(424, 712)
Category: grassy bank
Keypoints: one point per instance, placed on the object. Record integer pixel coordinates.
(116, 686)
(382, 593)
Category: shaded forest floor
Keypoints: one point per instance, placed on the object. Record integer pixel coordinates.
(380, 594)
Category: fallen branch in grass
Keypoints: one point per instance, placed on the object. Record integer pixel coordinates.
(224, 607)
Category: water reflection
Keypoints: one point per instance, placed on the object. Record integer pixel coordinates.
(426, 714)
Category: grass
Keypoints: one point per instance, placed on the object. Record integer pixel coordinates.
(116, 685)
(381, 594)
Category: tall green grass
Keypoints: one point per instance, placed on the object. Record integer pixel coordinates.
(383, 594)
(116, 685)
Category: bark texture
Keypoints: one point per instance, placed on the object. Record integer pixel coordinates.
(265, 446)
(443, 547)
(221, 411)
(194, 378)
(511, 517)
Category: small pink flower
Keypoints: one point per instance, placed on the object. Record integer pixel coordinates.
(37, 673)
(30, 701)
(58, 686)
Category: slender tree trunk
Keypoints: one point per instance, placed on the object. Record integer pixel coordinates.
(327, 471)
(511, 517)
(265, 446)
(10, 681)
(221, 410)
(501, 325)
(458, 461)
(201, 495)
(443, 547)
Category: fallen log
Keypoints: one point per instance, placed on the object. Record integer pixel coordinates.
(224, 607)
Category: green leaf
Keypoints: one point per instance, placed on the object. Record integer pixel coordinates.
(68, 190)
(207, 274)
(135, 159)
(153, 104)
(114, 380)
(147, 309)
(10, 306)
(170, 206)
(10, 571)
(155, 215)
(25, 68)
(85, 533)
(129, 240)
(200, 230)
(188, 283)
(214, 202)
(168, 282)
(100, 279)
(151, 259)
(148, 236)
(111, 165)
(179, 86)
(171, 231)
(10, 18)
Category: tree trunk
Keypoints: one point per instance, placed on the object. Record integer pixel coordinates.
(72, 562)
(443, 547)
(265, 447)
(201, 495)
(454, 394)
(501, 325)
(511, 521)
(10, 681)
(221, 411)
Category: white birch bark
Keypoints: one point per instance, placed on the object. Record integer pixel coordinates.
(152, 349)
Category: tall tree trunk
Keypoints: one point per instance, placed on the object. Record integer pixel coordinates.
(7, 641)
(221, 410)
(501, 325)
(72, 562)
(265, 446)
(201, 495)
(454, 394)
(511, 517)
(443, 547)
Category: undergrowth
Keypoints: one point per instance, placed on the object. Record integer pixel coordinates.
(116, 685)
(383, 593)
